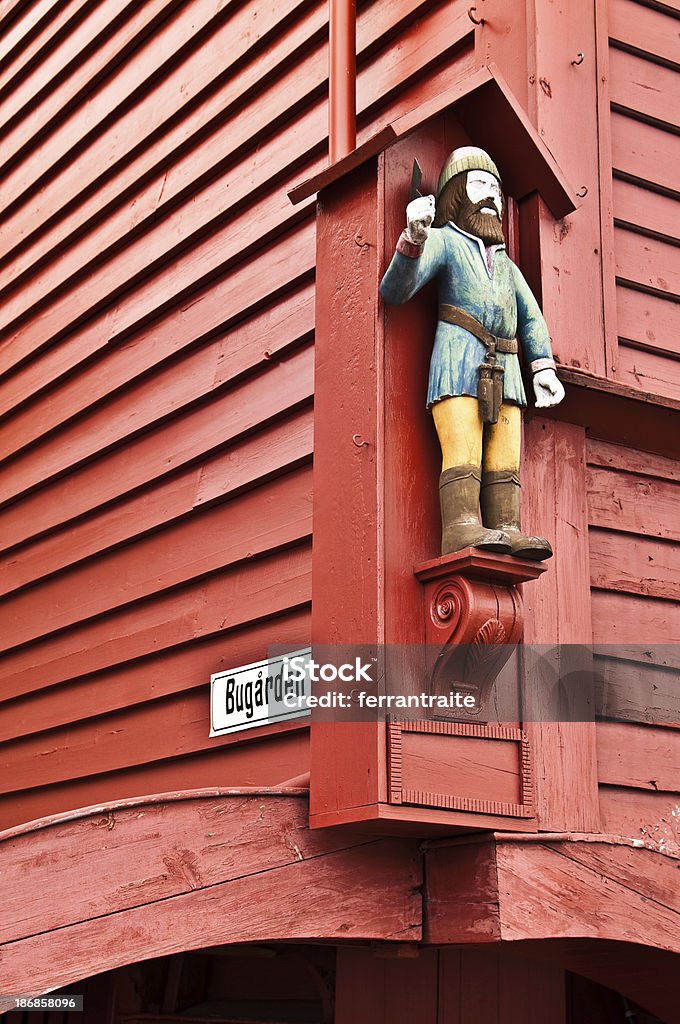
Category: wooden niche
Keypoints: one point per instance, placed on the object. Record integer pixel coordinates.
(377, 579)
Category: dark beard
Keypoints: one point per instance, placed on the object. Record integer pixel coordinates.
(484, 225)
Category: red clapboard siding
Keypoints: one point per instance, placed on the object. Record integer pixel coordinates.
(220, 303)
(233, 123)
(648, 262)
(289, 381)
(171, 727)
(65, 18)
(636, 813)
(284, 755)
(178, 136)
(635, 565)
(257, 343)
(650, 371)
(646, 88)
(253, 461)
(203, 542)
(627, 618)
(638, 756)
(156, 317)
(641, 208)
(648, 321)
(631, 503)
(616, 456)
(643, 151)
(229, 600)
(157, 675)
(641, 28)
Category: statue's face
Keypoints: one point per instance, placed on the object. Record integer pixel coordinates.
(483, 185)
(481, 206)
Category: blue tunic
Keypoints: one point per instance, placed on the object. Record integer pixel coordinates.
(499, 298)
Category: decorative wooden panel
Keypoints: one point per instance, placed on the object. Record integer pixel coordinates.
(484, 769)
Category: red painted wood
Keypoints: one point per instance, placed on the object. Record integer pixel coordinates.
(651, 371)
(641, 28)
(639, 756)
(197, 878)
(637, 813)
(648, 262)
(642, 151)
(374, 987)
(250, 591)
(634, 565)
(644, 87)
(625, 618)
(629, 503)
(66, 17)
(188, 667)
(284, 750)
(648, 322)
(557, 611)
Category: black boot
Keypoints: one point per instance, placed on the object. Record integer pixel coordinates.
(500, 511)
(459, 499)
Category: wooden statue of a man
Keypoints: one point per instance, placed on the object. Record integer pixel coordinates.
(475, 387)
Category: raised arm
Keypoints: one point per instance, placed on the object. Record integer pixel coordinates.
(419, 254)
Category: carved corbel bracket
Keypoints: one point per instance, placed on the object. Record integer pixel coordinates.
(473, 617)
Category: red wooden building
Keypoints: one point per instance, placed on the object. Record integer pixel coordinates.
(177, 339)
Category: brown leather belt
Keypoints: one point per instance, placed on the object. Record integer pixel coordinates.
(457, 316)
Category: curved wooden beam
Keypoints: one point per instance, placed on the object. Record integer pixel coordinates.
(99, 888)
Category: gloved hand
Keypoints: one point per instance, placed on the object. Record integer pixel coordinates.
(547, 388)
(419, 217)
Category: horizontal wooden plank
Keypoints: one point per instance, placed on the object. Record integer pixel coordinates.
(235, 598)
(649, 321)
(174, 726)
(23, 27)
(156, 41)
(198, 144)
(633, 504)
(154, 456)
(239, 235)
(636, 813)
(175, 671)
(642, 151)
(121, 419)
(633, 565)
(194, 130)
(642, 86)
(638, 683)
(73, 55)
(42, 43)
(278, 447)
(253, 343)
(631, 460)
(640, 27)
(282, 753)
(628, 619)
(649, 211)
(648, 370)
(219, 304)
(160, 868)
(647, 262)
(638, 756)
(266, 518)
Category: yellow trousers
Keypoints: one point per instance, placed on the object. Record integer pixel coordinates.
(466, 441)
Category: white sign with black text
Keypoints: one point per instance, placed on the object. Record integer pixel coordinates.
(260, 694)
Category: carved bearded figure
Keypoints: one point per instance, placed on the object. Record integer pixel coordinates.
(475, 390)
